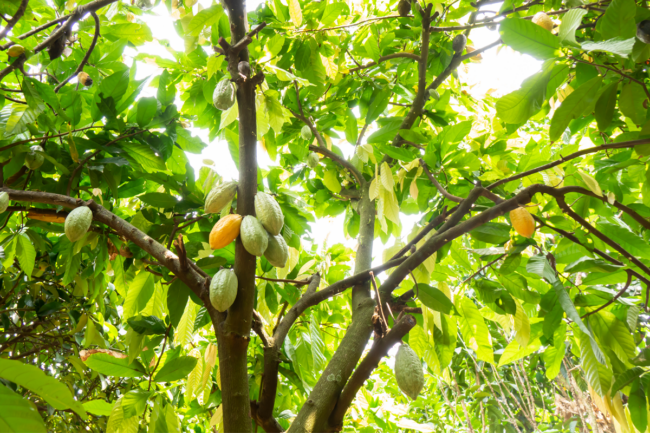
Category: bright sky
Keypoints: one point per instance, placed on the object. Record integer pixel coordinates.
(500, 71)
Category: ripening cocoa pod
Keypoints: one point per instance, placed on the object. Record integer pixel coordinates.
(408, 371)
(225, 231)
(523, 222)
(543, 20)
(305, 133)
(85, 79)
(15, 50)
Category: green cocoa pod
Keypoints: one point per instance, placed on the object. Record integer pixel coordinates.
(277, 253)
(408, 371)
(78, 222)
(223, 290)
(33, 160)
(305, 132)
(312, 160)
(253, 236)
(4, 201)
(220, 196)
(224, 95)
(269, 213)
(433, 93)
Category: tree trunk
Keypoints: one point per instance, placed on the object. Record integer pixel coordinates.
(234, 333)
(314, 415)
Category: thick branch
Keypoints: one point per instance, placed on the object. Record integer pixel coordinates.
(165, 257)
(86, 57)
(380, 348)
(14, 19)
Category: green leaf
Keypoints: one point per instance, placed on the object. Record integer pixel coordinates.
(26, 254)
(492, 233)
(147, 108)
(139, 293)
(98, 407)
(435, 299)
(638, 406)
(518, 106)
(573, 107)
(17, 415)
(475, 331)
(528, 38)
(618, 19)
(619, 46)
(143, 155)
(55, 393)
(204, 18)
(134, 402)
(510, 264)
(606, 105)
(111, 366)
(570, 23)
(331, 181)
(634, 244)
(631, 102)
(377, 105)
(137, 34)
(590, 365)
(147, 325)
(539, 265)
(585, 264)
(176, 369)
(177, 296)
(625, 378)
(159, 200)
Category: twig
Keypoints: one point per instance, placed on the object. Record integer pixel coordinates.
(358, 23)
(279, 280)
(379, 304)
(159, 357)
(47, 137)
(14, 19)
(86, 57)
(611, 301)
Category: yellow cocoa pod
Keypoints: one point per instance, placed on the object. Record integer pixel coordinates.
(15, 50)
(523, 222)
(48, 218)
(225, 231)
(543, 20)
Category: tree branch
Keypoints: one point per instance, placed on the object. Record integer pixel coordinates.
(86, 57)
(47, 137)
(385, 58)
(380, 348)
(55, 35)
(34, 31)
(346, 164)
(165, 257)
(439, 187)
(563, 159)
(358, 23)
(89, 157)
(14, 19)
(611, 301)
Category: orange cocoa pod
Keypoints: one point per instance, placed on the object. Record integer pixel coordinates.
(523, 222)
(225, 231)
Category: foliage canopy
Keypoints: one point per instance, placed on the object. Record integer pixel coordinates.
(363, 113)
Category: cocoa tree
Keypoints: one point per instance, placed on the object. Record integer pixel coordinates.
(521, 288)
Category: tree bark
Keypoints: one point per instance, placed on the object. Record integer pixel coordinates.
(314, 415)
(233, 334)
